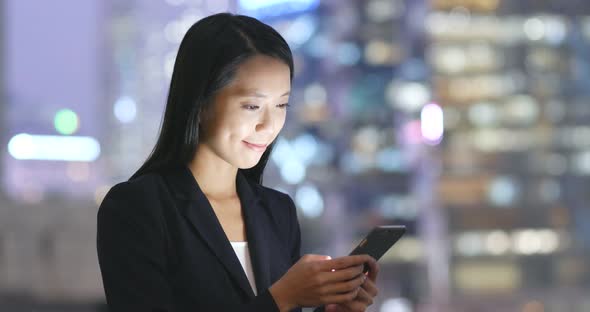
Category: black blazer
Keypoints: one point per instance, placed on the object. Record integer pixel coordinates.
(161, 247)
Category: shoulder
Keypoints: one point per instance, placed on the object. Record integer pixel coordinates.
(137, 186)
(130, 222)
(135, 198)
(136, 189)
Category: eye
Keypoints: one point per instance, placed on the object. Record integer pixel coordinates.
(284, 106)
(250, 107)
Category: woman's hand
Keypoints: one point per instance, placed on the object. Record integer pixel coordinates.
(365, 296)
(317, 280)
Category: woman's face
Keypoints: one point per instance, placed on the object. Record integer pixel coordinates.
(248, 114)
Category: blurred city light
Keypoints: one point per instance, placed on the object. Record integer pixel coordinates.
(391, 159)
(521, 109)
(300, 30)
(524, 242)
(348, 53)
(503, 191)
(432, 123)
(408, 96)
(383, 10)
(50, 147)
(306, 147)
(582, 162)
(352, 163)
(410, 249)
(497, 242)
(262, 8)
(378, 52)
(292, 171)
(412, 132)
(500, 277)
(66, 121)
(555, 30)
(125, 109)
(315, 93)
(483, 114)
(396, 305)
(309, 200)
(534, 28)
(318, 46)
(470, 244)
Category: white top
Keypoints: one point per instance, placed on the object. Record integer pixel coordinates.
(243, 253)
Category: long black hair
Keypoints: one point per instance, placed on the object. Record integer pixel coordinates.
(207, 60)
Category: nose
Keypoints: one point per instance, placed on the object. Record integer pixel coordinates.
(266, 122)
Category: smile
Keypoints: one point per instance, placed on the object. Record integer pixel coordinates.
(256, 147)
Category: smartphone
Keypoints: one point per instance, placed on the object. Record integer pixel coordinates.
(379, 241)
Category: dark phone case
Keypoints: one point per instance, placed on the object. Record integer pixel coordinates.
(378, 241)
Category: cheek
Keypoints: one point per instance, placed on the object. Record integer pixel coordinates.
(238, 127)
(283, 118)
(280, 121)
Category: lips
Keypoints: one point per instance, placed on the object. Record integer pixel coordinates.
(256, 147)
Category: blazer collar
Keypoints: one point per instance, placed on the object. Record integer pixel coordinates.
(199, 212)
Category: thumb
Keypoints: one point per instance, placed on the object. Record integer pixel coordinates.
(313, 257)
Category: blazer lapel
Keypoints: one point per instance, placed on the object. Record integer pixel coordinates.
(256, 232)
(198, 211)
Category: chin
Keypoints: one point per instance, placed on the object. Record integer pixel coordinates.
(247, 164)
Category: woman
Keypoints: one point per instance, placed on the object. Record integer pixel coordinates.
(194, 229)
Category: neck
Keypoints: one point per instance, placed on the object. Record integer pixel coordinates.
(216, 177)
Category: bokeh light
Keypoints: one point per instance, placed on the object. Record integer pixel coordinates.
(66, 121)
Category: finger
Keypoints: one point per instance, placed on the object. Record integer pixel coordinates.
(360, 303)
(341, 298)
(370, 287)
(345, 262)
(358, 267)
(341, 275)
(345, 286)
(313, 257)
(364, 297)
(373, 269)
(331, 308)
(355, 306)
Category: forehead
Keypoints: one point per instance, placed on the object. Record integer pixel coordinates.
(263, 76)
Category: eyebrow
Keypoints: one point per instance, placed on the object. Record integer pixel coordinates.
(257, 94)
